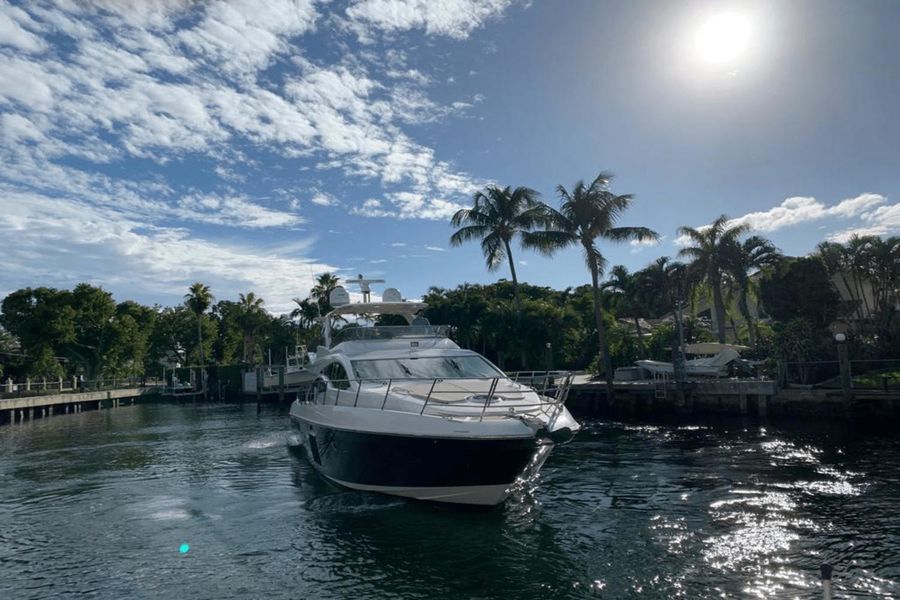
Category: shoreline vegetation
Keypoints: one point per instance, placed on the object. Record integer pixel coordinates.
(729, 286)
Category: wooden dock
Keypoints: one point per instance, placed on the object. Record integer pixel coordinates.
(735, 397)
(20, 409)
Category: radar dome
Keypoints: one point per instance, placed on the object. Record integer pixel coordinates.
(338, 297)
(391, 295)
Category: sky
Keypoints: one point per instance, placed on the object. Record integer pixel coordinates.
(145, 145)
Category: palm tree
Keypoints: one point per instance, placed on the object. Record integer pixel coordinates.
(321, 291)
(250, 319)
(754, 254)
(709, 254)
(306, 312)
(663, 283)
(587, 214)
(627, 296)
(198, 299)
(496, 217)
(837, 262)
(884, 276)
(667, 282)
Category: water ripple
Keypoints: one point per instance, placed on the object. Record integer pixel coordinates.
(97, 504)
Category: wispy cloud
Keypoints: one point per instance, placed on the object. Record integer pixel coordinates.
(320, 198)
(143, 137)
(58, 242)
(801, 209)
(453, 18)
(139, 83)
(884, 220)
(639, 245)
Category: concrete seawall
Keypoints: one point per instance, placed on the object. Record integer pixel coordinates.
(748, 398)
(17, 410)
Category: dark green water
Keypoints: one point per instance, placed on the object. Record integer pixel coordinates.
(96, 505)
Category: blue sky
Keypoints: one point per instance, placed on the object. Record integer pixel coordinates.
(146, 145)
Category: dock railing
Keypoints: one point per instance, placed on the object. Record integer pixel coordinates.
(446, 398)
(868, 374)
(10, 388)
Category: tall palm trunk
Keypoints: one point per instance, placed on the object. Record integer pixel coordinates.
(518, 298)
(515, 280)
(745, 312)
(639, 333)
(601, 331)
(200, 338)
(719, 304)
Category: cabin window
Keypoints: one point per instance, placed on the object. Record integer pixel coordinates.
(432, 367)
(338, 376)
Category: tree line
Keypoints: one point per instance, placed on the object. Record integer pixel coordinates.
(720, 263)
(48, 332)
(784, 308)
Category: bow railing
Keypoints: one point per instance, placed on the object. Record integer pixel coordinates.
(449, 397)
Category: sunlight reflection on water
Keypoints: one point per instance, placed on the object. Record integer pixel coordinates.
(94, 504)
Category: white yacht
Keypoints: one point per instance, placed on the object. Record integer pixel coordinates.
(403, 410)
(293, 374)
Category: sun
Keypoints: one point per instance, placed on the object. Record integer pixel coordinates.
(723, 38)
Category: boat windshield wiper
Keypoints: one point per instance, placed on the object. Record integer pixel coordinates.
(405, 369)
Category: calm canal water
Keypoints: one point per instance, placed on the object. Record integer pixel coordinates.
(98, 504)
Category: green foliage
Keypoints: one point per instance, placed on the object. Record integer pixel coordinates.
(83, 331)
(73, 325)
(711, 252)
(801, 288)
(128, 348)
(795, 340)
(172, 336)
(483, 318)
(321, 292)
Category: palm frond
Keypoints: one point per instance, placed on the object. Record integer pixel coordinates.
(548, 242)
(468, 233)
(638, 234)
(494, 250)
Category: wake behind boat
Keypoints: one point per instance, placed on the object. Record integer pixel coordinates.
(404, 410)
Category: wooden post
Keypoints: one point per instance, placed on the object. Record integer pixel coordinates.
(762, 405)
(826, 572)
(281, 385)
(44, 383)
(743, 401)
(259, 385)
(845, 375)
(28, 384)
(9, 385)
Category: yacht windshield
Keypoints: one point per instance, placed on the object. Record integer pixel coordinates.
(435, 367)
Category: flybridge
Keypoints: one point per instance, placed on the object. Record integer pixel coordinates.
(392, 303)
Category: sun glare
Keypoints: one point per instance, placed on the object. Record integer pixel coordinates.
(723, 38)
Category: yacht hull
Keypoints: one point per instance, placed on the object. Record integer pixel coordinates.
(477, 471)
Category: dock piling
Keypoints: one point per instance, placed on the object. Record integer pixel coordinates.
(826, 572)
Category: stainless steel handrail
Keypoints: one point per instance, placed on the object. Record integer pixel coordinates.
(552, 394)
